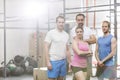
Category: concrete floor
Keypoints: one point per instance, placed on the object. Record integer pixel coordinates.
(29, 77)
(69, 77)
(23, 77)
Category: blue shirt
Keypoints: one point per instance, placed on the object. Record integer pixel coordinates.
(104, 49)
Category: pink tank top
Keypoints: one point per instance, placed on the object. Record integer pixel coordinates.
(80, 61)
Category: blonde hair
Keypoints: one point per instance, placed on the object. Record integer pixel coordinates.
(107, 23)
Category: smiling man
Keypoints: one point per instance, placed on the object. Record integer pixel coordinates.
(56, 47)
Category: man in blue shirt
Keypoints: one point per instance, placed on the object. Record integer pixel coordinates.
(105, 51)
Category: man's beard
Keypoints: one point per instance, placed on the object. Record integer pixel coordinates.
(80, 24)
(106, 32)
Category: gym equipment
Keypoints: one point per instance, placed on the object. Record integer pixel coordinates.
(29, 69)
(18, 71)
(19, 61)
(11, 67)
(32, 62)
(2, 69)
(2, 72)
(18, 58)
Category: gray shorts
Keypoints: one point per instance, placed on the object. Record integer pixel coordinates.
(106, 72)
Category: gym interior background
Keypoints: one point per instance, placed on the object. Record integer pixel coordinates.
(24, 23)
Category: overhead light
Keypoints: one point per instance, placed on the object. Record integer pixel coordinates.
(34, 9)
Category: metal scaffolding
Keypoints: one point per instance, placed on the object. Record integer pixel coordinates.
(4, 36)
(114, 11)
(65, 12)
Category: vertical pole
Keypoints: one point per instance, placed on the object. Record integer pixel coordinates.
(110, 10)
(82, 5)
(87, 13)
(48, 18)
(37, 37)
(115, 18)
(115, 29)
(94, 21)
(4, 38)
(64, 12)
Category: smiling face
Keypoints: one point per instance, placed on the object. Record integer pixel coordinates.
(80, 19)
(105, 27)
(60, 23)
(79, 32)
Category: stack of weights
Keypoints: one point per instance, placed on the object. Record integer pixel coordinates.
(30, 64)
(19, 62)
(2, 72)
(18, 71)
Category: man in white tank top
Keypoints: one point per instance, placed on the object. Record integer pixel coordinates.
(88, 36)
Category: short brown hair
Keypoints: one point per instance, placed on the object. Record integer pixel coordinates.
(80, 15)
(59, 17)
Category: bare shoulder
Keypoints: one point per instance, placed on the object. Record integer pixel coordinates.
(113, 40)
(75, 41)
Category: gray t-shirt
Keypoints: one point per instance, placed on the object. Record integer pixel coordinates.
(58, 41)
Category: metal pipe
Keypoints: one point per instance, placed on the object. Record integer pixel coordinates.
(10, 21)
(117, 4)
(115, 18)
(110, 11)
(90, 11)
(4, 37)
(83, 5)
(115, 30)
(64, 9)
(29, 28)
(37, 42)
(48, 18)
(94, 21)
(87, 16)
(89, 7)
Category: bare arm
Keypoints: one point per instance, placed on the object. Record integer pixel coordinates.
(68, 54)
(47, 46)
(77, 50)
(113, 50)
(96, 53)
(91, 40)
(47, 51)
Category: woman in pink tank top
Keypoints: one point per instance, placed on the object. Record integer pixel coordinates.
(81, 52)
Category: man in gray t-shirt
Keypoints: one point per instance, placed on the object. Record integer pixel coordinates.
(56, 49)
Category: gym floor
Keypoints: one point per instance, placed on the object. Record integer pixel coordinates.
(29, 77)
